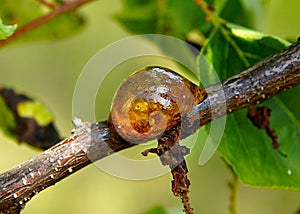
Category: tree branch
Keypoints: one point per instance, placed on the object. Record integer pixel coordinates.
(57, 11)
(93, 141)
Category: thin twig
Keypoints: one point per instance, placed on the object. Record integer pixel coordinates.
(57, 11)
(93, 141)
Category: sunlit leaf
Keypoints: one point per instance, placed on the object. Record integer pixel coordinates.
(6, 30)
(246, 148)
(36, 110)
(26, 120)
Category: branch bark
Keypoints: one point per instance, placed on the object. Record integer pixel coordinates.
(93, 141)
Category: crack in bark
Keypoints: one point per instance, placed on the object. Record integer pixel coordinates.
(262, 81)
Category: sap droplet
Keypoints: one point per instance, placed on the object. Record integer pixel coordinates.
(135, 111)
(269, 72)
(84, 150)
(77, 122)
(289, 172)
(31, 174)
(24, 181)
(88, 129)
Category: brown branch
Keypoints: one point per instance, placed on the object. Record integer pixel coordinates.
(256, 84)
(57, 11)
(93, 141)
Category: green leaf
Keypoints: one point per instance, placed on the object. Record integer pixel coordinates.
(7, 122)
(139, 16)
(235, 48)
(26, 120)
(177, 18)
(156, 210)
(6, 30)
(234, 11)
(36, 110)
(246, 148)
(24, 12)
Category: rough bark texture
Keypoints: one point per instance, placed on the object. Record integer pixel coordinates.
(256, 84)
(93, 141)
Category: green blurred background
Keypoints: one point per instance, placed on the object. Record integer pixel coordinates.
(48, 70)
